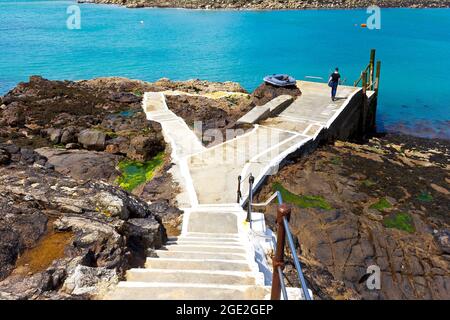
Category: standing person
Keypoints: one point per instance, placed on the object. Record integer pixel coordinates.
(333, 82)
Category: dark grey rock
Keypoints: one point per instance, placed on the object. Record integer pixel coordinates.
(92, 139)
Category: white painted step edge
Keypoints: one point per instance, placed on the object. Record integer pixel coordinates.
(244, 262)
(206, 245)
(202, 242)
(216, 272)
(251, 263)
(195, 238)
(243, 255)
(138, 284)
(258, 276)
(206, 234)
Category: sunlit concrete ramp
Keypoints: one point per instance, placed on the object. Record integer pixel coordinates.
(182, 139)
(217, 256)
(214, 171)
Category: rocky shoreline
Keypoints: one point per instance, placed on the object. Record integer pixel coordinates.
(385, 203)
(75, 215)
(85, 187)
(272, 4)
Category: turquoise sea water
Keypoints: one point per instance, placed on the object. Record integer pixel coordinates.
(242, 46)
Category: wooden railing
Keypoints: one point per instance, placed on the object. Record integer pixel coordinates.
(369, 80)
(370, 76)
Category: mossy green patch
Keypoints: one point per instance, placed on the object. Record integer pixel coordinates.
(401, 221)
(381, 205)
(368, 183)
(302, 201)
(425, 197)
(336, 161)
(135, 173)
(109, 133)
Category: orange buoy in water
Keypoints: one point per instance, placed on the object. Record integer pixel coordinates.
(363, 25)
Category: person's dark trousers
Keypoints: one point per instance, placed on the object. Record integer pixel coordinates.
(334, 86)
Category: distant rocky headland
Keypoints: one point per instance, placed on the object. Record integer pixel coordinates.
(273, 4)
(86, 193)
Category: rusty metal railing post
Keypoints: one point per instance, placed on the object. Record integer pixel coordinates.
(251, 180)
(278, 259)
(239, 194)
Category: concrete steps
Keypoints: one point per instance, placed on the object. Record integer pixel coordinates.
(218, 240)
(211, 235)
(200, 255)
(206, 248)
(197, 264)
(191, 276)
(203, 241)
(211, 260)
(208, 243)
(176, 291)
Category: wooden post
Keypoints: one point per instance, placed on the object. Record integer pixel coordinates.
(377, 77)
(364, 82)
(364, 106)
(372, 67)
(373, 125)
(278, 259)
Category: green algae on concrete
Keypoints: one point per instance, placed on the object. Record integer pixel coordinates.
(302, 201)
(400, 221)
(381, 205)
(135, 173)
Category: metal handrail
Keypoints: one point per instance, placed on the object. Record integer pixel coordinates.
(300, 275)
(284, 232)
(251, 180)
(283, 285)
(278, 262)
(240, 181)
(264, 204)
(239, 193)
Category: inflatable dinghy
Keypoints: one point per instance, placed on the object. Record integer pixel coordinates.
(280, 80)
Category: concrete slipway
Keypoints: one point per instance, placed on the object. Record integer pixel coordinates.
(217, 255)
